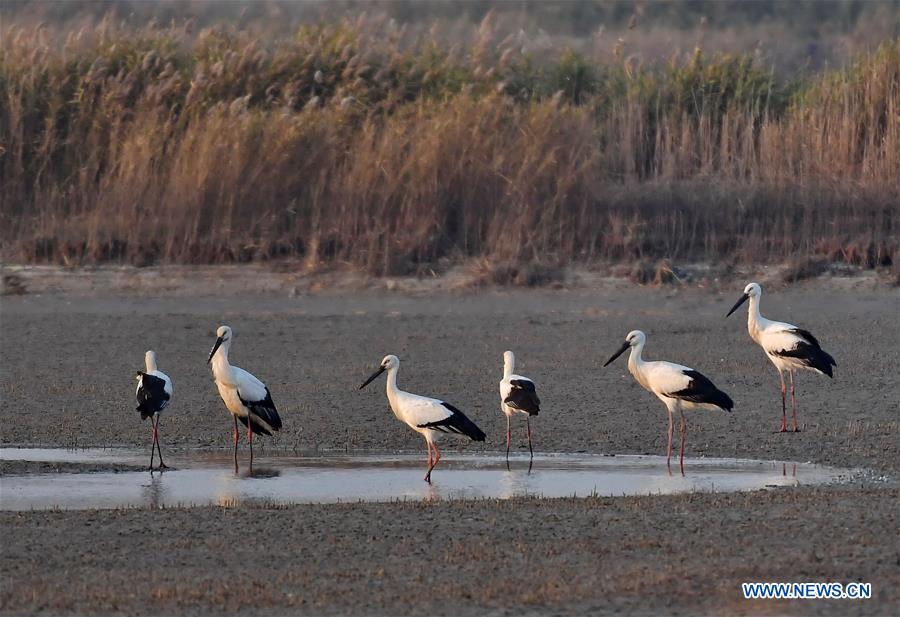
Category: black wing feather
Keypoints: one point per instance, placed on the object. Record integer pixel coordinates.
(523, 396)
(807, 335)
(810, 355)
(458, 423)
(151, 395)
(265, 410)
(701, 390)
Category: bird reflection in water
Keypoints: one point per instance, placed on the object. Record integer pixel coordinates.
(260, 472)
(154, 493)
(229, 493)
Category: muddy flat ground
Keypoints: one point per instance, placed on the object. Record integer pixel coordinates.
(68, 357)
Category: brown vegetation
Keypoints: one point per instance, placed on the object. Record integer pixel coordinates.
(340, 145)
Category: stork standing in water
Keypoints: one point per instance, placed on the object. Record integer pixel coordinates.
(154, 391)
(678, 387)
(246, 397)
(517, 395)
(788, 347)
(427, 416)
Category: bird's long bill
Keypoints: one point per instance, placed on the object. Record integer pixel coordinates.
(740, 301)
(214, 349)
(621, 350)
(372, 377)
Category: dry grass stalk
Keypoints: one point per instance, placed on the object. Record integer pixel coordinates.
(154, 146)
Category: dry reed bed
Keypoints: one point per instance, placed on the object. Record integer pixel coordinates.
(348, 144)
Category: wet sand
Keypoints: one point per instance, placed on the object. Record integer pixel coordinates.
(29, 467)
(660, 555)
(67, 364)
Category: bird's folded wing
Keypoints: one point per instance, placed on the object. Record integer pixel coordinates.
(522, 395)
(151, 393)
(667, 377)
(807, 336)
(263, 409)
(421, 410)
(701, 390)
(167, 381)
(250, 387)
(777, 341)
(455, 422)
(256, 397)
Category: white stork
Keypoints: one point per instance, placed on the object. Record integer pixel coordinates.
(678, 387)
(154, 391)
(246, 397)
(788, 347)
(427, 416)
(517, 395)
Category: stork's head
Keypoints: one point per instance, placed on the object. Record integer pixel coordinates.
(389, 362)
(752, 290)
(509, 358)
(223, 336)
(633, 339)
(150, 360)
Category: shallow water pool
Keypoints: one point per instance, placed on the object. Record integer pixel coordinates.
(203, 477)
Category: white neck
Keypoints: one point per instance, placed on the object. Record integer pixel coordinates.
(220, 365)
(391, 385)
(150, 361)
(635, 361)
(509, 365)
(755, 321)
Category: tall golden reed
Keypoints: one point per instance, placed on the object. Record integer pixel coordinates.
(343, 144)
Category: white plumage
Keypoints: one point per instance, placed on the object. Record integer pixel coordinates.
(788, 347)
(427, 416)
(517, 395)
(678, 387)
(246, 397)
(153, 393)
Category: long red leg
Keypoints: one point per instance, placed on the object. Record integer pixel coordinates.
(530, 448)
(158, 447)
(783, 403)
(236, 436)
(669, 449)
(507, 443)
(250, 439)
(152, 442)
(794, 403)
(430, 463)
(437, 457)
(528, 428)
(683, 437)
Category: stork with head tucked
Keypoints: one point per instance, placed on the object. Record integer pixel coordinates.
(517, 395)
(247, 398)
(154, 391)
(788, 347)
(678, 387)
(429, 417)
